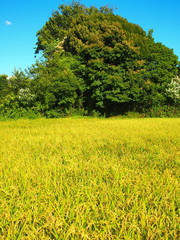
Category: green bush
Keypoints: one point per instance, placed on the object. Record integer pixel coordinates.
(163, 111)
(19, 113)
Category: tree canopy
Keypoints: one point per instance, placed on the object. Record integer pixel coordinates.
(94, 60)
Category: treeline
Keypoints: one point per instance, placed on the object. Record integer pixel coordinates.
(93, 62)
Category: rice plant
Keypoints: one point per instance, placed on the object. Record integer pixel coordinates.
(89, 179)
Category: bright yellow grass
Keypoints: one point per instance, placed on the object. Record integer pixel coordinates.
(89, 179)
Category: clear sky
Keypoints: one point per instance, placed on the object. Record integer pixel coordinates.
(20, 20)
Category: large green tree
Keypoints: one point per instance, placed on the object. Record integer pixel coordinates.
(118, 66)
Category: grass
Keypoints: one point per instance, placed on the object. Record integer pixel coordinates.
(89, 179)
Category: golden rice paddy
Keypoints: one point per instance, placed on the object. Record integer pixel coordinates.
(90, 179)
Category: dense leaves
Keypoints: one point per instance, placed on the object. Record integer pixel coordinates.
(94, 60)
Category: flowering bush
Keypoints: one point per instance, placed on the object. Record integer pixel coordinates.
(173, 90)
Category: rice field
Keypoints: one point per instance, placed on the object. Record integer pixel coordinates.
(90, 179)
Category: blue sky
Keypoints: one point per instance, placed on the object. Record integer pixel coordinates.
(20, 20)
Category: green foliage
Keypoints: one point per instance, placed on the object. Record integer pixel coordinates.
(55, 84)
(3, 85)
(17, 113)
(121, 66)
(162, 111)
(93, 61)
(16, 92)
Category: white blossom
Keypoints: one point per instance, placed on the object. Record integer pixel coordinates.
(173, 90)
(25, 94)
